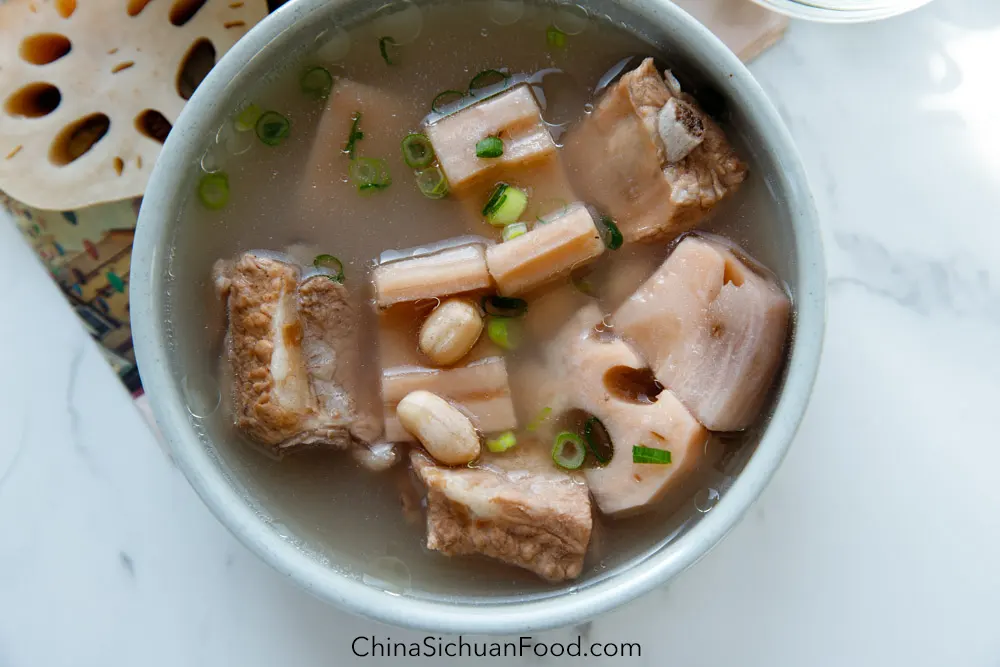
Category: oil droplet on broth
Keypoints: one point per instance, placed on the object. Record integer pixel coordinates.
(201, 395)
(571, 19)
(389, 574)
(210, 161)
(705, 500)
(506, 12)
(402, 21)
(559, 94)
(233, 142)
(336, 46)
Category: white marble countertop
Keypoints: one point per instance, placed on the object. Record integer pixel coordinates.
(878, 542)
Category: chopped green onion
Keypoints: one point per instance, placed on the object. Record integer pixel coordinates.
(213, 190)
(328, 262)
(489, 147)
(597, 439)
(446, 99)
(370, 174)
(383, 44)
(504, 306)
(273, 128)
(334, 265)
(502, 442)
(355, 136)
(504, 331)
(642, 454)
(610, 234)
(246, 119)
(568, 451)
(317, 82)
(513, 230)
(432, 183)
(555, 37)
(487, 78)
(497, 197)
(542, 415)
(417, 151)
(505, 205)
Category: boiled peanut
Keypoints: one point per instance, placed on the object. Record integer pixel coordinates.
(450, 331)
(446, 433)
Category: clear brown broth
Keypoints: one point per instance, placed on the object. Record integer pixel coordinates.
(323, 501)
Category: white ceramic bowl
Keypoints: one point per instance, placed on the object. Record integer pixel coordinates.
(791, 243)
(842, 11)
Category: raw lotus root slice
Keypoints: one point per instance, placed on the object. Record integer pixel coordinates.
(89, 89)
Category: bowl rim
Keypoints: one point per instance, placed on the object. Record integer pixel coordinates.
(157, 218)
(830, 11)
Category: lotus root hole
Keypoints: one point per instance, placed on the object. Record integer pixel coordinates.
(77, 138)
(121, 67)
(184, 10)
(153, 124)
(634, 385)
(17, 149)
(33, 101)
(65, 8)
(119, 165)
(135, 7)
(44, 48)
(195, 66)
(731, 273)
(235, 5)
(233, 24)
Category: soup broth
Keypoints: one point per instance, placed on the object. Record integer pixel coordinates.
(285, 198)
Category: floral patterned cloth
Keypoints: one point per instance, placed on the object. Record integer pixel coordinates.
(88, 253)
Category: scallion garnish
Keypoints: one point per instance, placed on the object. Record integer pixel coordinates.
(505, 205)
(497, 198)
(317, 82)
(355, 136)
(273, 128)
(213, 190)
(598, 440)
(445, 99)
(513, 230)
(487, 78)
(504, 306)
(643, 454)
(555, 37)
(504, 331)
(331, 264)
(568, 451)
(432, 182)
(370, 174)
(417, 151)
(246, 119)
(542, 415)
(489, 147)
(611, 235)
(383, 46)
(502, 442)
